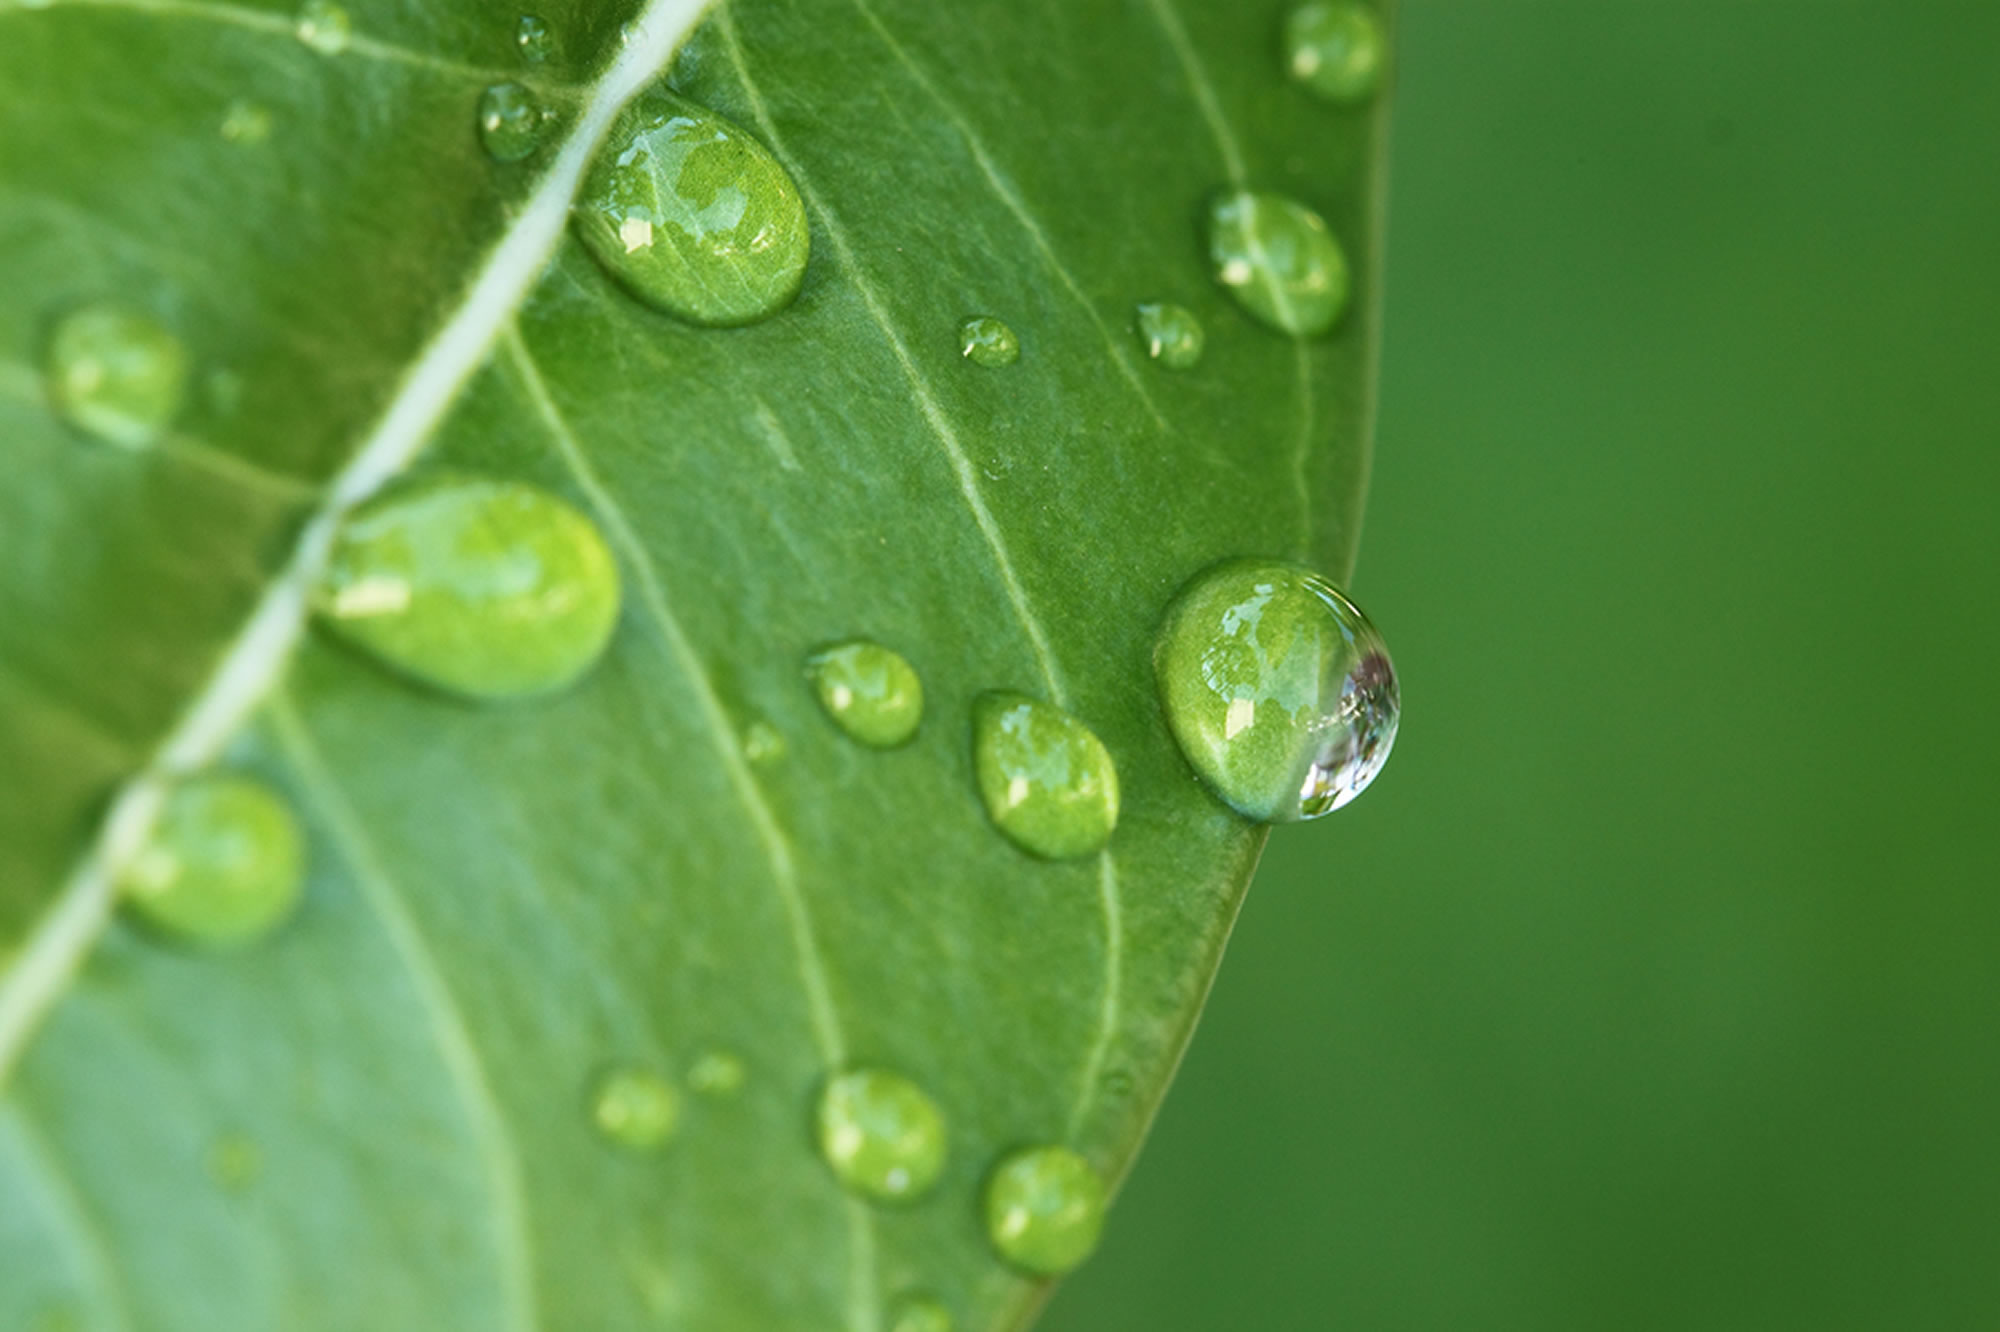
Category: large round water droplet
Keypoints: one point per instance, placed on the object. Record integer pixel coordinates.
(1279, 691)
(984, 340)
(1047, 781)
(1336, 48)
(919, 1313)
(1279, 261)
(323, 26)
(1171, 335)
(534, 39)
(871, 692)
(116, 374)
(484, 587)
(1044, 1210)
(693, 215)
(224, 865)
(634, 1108)
(512, 123)
(882, 1134)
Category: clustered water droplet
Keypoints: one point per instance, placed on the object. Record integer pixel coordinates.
(512, 122)
(881, 1134)
(1171, 334)
(224, 864)
(116, 373)
(1046, 779)
(1336, 48)
(1279, 260)
(984, 340)
(1045, 1210)
(870, 691)
(323, 26)
(919, 1313)
(635, 1108)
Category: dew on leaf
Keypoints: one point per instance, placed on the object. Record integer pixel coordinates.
(247, 123)
(763, 743)
(984, 340)
(1044, 1210)
(234, 1161)
(224, 864)
(58, 1317)
(512, 122)
(1171, 334)
(115, 373)
(1279, 260)
(535, 40)
(717, 1073)
(919, 1313)
(871, 692)
(1046, 779)
(634, 1108)
(1336, 49)
(488, 588)
(324, 26)
(1278, 690)
(882, 1135)
(693, 215)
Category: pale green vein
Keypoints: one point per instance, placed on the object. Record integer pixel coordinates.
(774, 434)
(1109, 998)
(498, 1155)
(1302, 449)
(1010, 198)
(73, 1217)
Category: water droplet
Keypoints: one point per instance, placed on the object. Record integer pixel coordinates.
(1046, 779)
(1336, 49)
(224, 865)
(59, 1317)
(512, 122)
(872, 693)
(717, 1073)
(1171, 335)
(323, 26)
(1279, 261)
(762, 743)
(1044, 1209)
(234, 1162)
(635, 1108)
(984, 340)
(246, 122)
(116, 373)
(488, 588)
(693, 215)
(881, 1134)
(919, 1313)
(1279, 691)
(534, 39)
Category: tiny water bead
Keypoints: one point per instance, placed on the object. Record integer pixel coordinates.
(1046, 779)
(984, 340)
(1337, 49)
(871, 692)
(881, 1134)
(1278, 690)
(116, 373)
(535, 40)
(763, 743)
(246, 123)
(488, 588)
(919, 1313)
(234, 1162)
(1045, 1210)
(512, 122)
(693, 215)
(635, 1109)
(1171, 335)
(717, 1073)
(1279, 260)
(323, 26)
(224, 865)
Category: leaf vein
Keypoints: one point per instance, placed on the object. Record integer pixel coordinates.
(72, 1214)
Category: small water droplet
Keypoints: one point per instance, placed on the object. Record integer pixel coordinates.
(635, 1108)
(234, 1162)
(762, 743)
(222, 388)
(984, 340)
(487, 588)
(1044, 1209)
(57, 1317)
(246, 122)
(1279, 261)
(717, 1073)
(1279, 691)
(512, 123)
(882, 1134)
(1336, 49)
(872, 693)
(535, 40)
(1171, 335)
(693, 215)
(1047, 781)
(919, 1313)
(323, 26)
(224, 865)
(116, 373)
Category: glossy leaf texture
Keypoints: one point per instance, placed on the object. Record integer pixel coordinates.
(678, 877)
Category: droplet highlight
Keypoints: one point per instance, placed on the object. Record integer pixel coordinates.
(487, 588)
(1044, 1210)
(635, 1109)
(984, 340)
(1046, 779)
(1336, 49)
(691, 214)
(1279, 260)
(323, 26)
(870, 691)
(534, 39)
(1277, 688)
(247, 123)
(919, 1313)
(881, 1134)
(1171, 334)
(116, 373)
(512, 122)
(225, 863)
(717, 1073)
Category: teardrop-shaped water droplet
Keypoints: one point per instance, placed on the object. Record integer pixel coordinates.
(234, 1162)
(1047, 780)
(324, 26)
(535, 40)
(883, 1136)
(247, 123)
(919, 1313)
(1279, 261)
(717, 1073)
(1278, 690)
(488, 588)
(984, 340)
(692, 214)
(116, 373)
(1044, 1209)
(512, 122)
(1171, 335)
(871, 692)
(224, 864)
(1337, 49)
(635, 1109)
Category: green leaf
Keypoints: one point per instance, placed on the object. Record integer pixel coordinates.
(679, 872)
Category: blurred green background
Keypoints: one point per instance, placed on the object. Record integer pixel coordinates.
(1654, 986)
